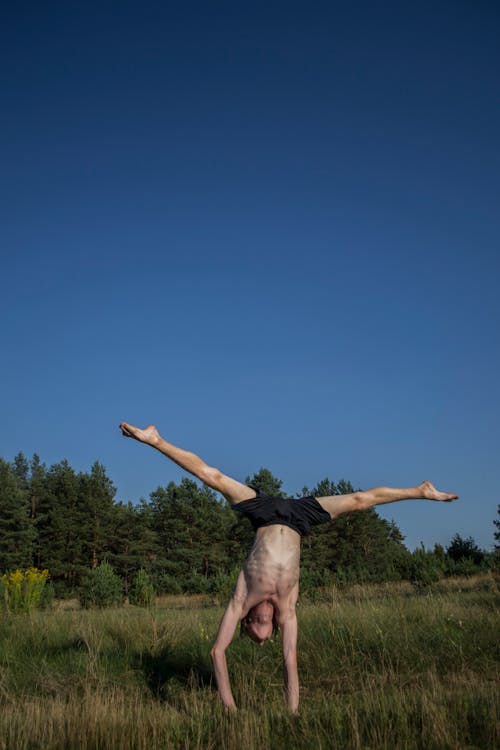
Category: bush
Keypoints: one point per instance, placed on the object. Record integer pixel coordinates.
(465, 549)
(167, 584)
(424, 567)
(22, 590)
(196, 584)
(142, 593)
(223, 584)
(101, 587)
(312, 579)
(345, 576)
(463, 567)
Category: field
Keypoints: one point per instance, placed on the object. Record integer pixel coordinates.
(380, 667)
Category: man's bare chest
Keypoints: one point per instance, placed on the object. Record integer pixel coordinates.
(273, 562)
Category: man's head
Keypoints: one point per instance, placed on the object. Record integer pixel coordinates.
(260, 623)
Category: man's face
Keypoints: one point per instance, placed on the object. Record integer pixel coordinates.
(260, 622)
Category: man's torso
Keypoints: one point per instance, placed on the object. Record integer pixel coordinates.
(271, 569)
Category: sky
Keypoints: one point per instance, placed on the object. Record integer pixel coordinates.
(271, 229)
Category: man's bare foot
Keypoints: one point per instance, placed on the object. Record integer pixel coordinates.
(431, 493)
(148, 435)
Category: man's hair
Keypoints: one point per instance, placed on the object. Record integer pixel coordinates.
(245, 622)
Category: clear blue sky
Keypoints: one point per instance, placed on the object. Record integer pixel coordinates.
(271, 229)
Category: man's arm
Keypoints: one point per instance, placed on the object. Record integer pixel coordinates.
(234, 612)
(290, 671)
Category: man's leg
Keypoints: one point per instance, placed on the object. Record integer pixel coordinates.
(232, 490)
(335, 505)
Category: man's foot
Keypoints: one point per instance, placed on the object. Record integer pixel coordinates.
(431, 493)
(148, 435)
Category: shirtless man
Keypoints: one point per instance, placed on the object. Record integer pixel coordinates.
(267, 587)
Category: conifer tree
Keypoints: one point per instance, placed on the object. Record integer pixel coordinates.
(358, 546)
(58, 526)
(191, 525)
(133, 543)
(20, 467)
(16, 529)
(266, 482)
(465, 549)
(38, 504)
(96, 495)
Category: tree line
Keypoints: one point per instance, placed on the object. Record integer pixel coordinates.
(188, 539)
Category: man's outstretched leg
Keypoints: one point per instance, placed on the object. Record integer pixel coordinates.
(337, 504)
(232, 490)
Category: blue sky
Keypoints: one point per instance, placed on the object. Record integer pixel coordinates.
(271, 229)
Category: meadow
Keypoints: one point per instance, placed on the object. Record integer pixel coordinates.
(380, 666)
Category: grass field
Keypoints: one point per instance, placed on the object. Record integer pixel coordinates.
(380, 667)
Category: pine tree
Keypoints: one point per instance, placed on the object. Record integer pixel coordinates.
(356, 546)
(465, 549)
(192, 526)
(38, 504)
(58, 526)
(95, 509)
(266, 482)
(16, 529)
(20, 467)
(133, 543)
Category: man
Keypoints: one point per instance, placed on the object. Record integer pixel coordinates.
(267, 587)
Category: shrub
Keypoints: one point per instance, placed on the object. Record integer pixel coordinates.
(222, 584)
(424, 567)
(345, 576)
(463, 567)
(312, 579)
(465, 549)
(101, 587)
(167, 584)
(196, 584)
(142, 593)
(22, 590)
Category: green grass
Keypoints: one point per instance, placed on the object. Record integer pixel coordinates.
(379, 668)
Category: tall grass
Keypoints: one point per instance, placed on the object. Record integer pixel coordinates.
(379, 669)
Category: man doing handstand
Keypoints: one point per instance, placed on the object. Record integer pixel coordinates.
(268, 585)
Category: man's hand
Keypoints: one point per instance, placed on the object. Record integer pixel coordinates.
(290, 671)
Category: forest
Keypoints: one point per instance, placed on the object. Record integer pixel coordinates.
(188, 539)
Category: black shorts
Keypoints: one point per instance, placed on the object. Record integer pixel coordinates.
(297, 513)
